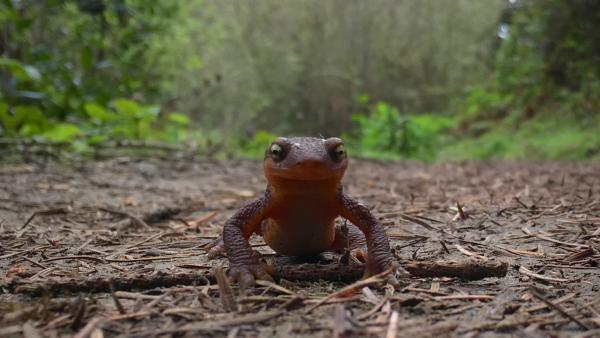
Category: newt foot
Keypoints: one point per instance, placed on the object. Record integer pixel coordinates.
(216, 249)
(376, 267)
(245, 275)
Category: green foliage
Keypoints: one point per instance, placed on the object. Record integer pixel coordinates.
(122, 120)
(24, 121)
(85, 72)
(66, 67)
(550, 49)
(62, 54)
(565, 138)
(63, 132)
(543, 100)
(387, 133)
(255, 147)
(23, 73)
(128, 120)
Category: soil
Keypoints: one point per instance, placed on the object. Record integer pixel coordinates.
(118, 248)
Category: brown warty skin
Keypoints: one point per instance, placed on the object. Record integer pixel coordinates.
(296, 213)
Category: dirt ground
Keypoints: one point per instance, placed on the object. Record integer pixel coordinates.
(118, 248)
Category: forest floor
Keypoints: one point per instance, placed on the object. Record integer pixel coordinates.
(118, 248)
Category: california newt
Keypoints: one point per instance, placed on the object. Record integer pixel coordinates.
(296, 213)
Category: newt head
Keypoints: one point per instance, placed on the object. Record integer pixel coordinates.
(305, 159)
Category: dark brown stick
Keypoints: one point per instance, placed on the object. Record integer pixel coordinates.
(558, 309)
(225, 291)
(134, 219)
(103, 284)
(49, 212)
(467, 270)
(281, 268)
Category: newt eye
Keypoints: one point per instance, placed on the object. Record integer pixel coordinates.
(276, 152)
(340, 151)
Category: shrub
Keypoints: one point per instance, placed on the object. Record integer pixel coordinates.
(384, 132)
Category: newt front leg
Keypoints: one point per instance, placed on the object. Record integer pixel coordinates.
(379, 256)
(244, 265)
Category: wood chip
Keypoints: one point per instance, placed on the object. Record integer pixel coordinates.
(225, 291)
(532, 274)
(392, 329)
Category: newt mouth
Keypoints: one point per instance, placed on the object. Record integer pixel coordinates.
(306, 170)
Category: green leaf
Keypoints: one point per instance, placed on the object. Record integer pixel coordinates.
(255, 147)
(63, 132)
(148, 113)
(15, 68)
(81, 146)
(99, 113)
(121, 131)
(3, 108)
(20, 71)
(179, 119)
(28, 121)
(96, 139)
(143, 129)
(363, 99)
(6, 120)
(193, 63)
(87, 58)
(127, 107)
(28, 94)
(30, 114)
(33, 73)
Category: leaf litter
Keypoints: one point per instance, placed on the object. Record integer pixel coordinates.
(105, 250)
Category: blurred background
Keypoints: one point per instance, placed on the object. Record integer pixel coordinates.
(431, 80)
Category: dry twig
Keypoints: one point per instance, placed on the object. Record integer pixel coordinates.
(350, 289)
(558, 308)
